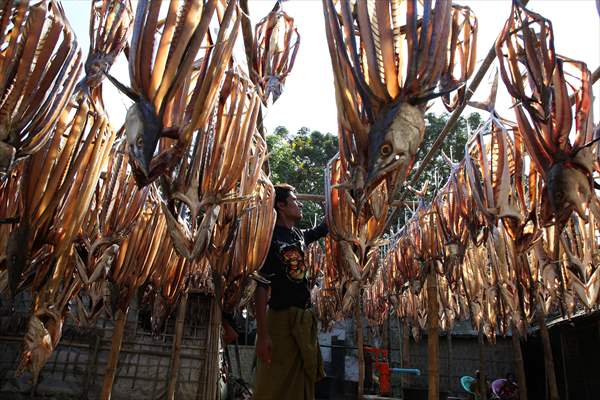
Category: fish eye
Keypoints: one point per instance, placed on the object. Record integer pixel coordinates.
(385, 150)
(139, 140)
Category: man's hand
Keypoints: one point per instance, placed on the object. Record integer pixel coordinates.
(263, 348)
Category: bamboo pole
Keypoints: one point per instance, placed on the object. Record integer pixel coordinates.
(596, 75)
(115, 350)
(482, 377)
(564, 365)
(316, 198)
(541, 320)
(360, 348)
(176, 353)
(386, 336)
(548, 358)
(92, 361)
(519, 365)
(405, 356)
(449, 338)
(212, 351)
(433, 345)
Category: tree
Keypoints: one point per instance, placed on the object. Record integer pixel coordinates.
(300, 160)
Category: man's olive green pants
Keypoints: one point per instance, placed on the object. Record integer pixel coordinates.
(296, 363)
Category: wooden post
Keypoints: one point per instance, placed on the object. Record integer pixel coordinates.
(176, 352)
(519, 365)
(387, 340)
(387, 337)
(405, 356)
(548, 358)
(433, 336)
(360, 348)
(482, 376)
(92, 360)
(115, 350)
(450, 361)
(212, 352)
(564, 364)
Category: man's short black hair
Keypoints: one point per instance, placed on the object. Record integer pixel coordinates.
(282, 192)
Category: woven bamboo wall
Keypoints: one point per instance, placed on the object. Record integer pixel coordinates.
(76, 368)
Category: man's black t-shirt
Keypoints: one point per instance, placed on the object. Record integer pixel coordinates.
(285, 267)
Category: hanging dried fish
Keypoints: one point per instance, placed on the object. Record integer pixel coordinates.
(253, 238)
(54, 222)
(167, 281)
(463, 55)
(387, 64)
(160, 66)
(207, 180)
(116, 206)
(241, 238)
(44, 328)
(276, 43)
(579, 264)
(449, 205)
(375, 300)
(314, 259)
(110, 22)
(357, 235)
(135, 261)
(327, 298)
(39, 65)
(58, 186)
(542, 85)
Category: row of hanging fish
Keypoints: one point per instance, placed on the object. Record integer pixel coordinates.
(177, 198)
(389, 58)
(515, 229)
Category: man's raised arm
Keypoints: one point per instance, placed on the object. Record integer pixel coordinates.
(311, 235)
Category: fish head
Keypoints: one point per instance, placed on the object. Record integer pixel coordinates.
(143, 129)
(569, 183)
(394, 140)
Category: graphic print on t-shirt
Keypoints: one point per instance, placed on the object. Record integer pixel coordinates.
(293, 258)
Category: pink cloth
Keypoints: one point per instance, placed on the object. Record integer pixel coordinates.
(504, 389)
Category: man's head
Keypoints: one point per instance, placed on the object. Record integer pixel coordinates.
(289, 209)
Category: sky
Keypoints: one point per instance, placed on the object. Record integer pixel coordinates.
(308, 99)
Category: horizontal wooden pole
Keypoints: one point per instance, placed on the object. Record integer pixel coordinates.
(317, 198)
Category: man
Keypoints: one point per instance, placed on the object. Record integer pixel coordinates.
(289, 358)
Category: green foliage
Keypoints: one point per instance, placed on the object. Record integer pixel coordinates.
(300, 159)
